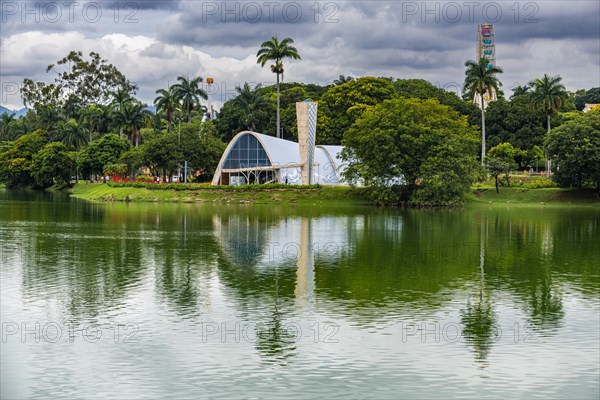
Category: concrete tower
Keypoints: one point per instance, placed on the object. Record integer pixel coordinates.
(306, 114)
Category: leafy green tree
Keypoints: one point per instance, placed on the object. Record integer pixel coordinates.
(341, 105)
(79, 82)
(106, 150)
(5, 121)
(52, 164)
(189, 92)
(92, 81)
(583, 97)
(276, 51)
(201, 148)
(161, 154)
(479, 80)
(166, 103)
(412, 151)
(501, 160)
(576, 147)
(514, 122)
(40, 95)
(422, 89)
(15, 163)
(496, 167)
(132, 159)
(548, 95)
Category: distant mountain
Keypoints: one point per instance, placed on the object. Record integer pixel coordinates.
(18, 113)
(151, 109)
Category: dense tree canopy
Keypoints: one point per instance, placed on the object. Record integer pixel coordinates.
(52, 164)
(343, 104)
(583, 97)
(16, 160)
(412, 151)
(422, 89)
(101, 152)
(78, 82)
(575, 146)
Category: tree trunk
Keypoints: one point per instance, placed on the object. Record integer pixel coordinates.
(278, 123)
(497, 191)
(482, 129)
(548, 161)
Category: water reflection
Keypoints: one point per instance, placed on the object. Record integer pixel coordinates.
(281, 272)
(479, 319)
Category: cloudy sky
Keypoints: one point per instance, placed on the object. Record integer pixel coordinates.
(152, 42)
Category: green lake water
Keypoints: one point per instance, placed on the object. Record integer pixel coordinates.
(276, 301)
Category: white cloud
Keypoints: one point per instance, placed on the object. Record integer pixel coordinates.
(371, 40)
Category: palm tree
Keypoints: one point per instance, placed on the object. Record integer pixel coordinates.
(71, 134)
(189, 92)
(48, 117)
(132, 118)
(480, 78)
(548, 95)
(167, 102)
(251, 103)
(120, 98)
(274, 50)
(94, 118)
(342, 79)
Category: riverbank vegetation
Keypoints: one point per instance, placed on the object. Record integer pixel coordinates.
(482, 194)
(408, 141)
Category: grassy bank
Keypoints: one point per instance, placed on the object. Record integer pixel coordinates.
(534, 197)
(481, 196)
(312, 195)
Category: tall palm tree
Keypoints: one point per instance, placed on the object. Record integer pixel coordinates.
(48, 117)
(120, 98)
(71, 134)
(166, 103)
(133, 118)
(189, 92)
(548, 95)
(252, 103)
(276, 51)
(480, 78)
(94, 118)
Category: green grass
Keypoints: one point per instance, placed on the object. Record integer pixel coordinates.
(291, 195)
(533, 197)
(481, 195)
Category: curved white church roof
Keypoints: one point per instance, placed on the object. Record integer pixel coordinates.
(284, 158)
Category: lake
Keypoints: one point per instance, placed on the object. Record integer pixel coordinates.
(270, 301)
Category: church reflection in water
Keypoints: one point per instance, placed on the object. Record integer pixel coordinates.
(249, 242)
